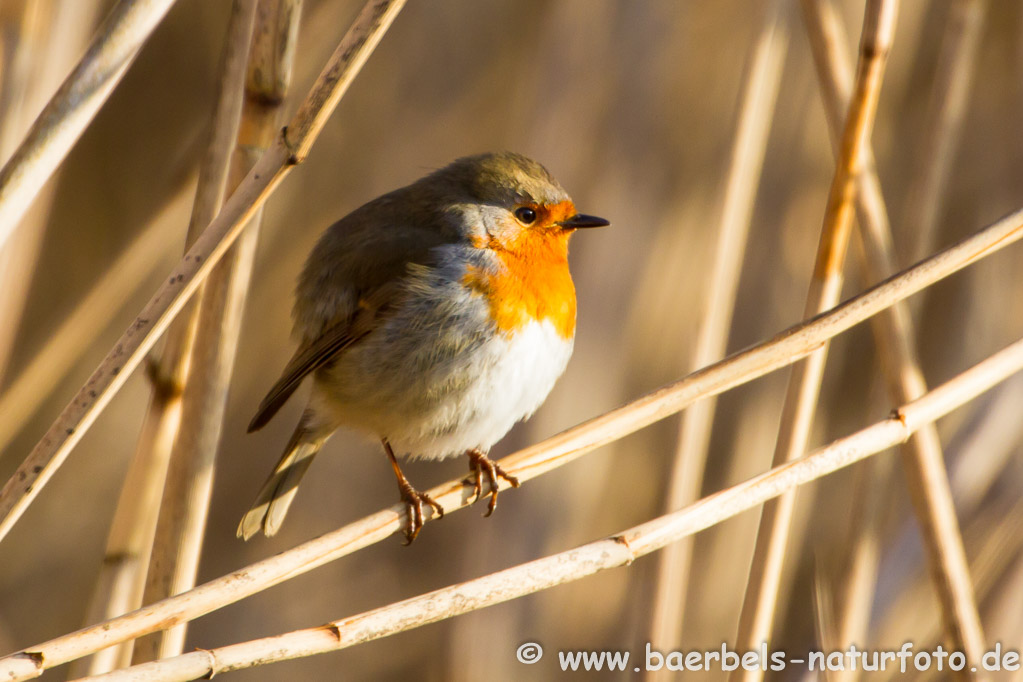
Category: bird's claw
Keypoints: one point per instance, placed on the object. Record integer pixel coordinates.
(414, 500)
(480, 463)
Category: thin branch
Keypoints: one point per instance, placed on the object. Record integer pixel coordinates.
(168, 406)
(186, 501)
(686, 478)
(896, 342)
(74, 105)
(618, 550)
(130, 543)
(834, 75)
(63, 348)
(289, 149)
(780, 351)
(755, 622)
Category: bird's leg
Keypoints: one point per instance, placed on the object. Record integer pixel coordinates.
(412, 498)
(479, 463)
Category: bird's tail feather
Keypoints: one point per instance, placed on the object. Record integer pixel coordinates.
(271, 504)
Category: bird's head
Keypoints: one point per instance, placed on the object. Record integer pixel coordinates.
(508, 201)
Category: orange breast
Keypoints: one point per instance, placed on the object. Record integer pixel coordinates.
(533, 284)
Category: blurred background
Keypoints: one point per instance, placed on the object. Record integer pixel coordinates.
(633, 106)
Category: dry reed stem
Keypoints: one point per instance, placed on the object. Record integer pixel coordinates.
(943, 123)
(747, 158)
(18, 84)
(170, 471)
(780, 351)
(289, 149)
(91, 316)
(618, 550)
(896, 342)
(28, 74)
(122, 575)
(829, 48)
(189, 488)
(924, 200)
(759, 603)
(74, 105)
(45, 43)
(122, 581)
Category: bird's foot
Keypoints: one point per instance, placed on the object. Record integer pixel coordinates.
(414, 500)
(480, 463)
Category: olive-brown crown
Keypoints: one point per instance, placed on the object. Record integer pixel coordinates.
(500, 178)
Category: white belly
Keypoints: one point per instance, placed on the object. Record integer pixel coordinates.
(466, 402)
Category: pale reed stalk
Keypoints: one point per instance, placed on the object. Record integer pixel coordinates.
(834, 74)
(780, 351)
(186, 500)
(896, 342)
(755, 117)
(25, 31)
(45, 43)
(133, 542)
(760, 601)
(74, 105)
(289, 149)
(618, 550)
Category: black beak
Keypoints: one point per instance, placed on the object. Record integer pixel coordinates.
(580, 220)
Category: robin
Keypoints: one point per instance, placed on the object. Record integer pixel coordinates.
(434, 318)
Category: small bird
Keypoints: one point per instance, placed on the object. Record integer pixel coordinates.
(433, 318)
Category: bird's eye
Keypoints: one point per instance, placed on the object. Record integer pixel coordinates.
(525, 215)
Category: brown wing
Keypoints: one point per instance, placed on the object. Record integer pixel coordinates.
(306, 361)
(311, 356)
(358, 263)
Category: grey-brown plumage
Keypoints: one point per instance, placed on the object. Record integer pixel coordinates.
(398, 344)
